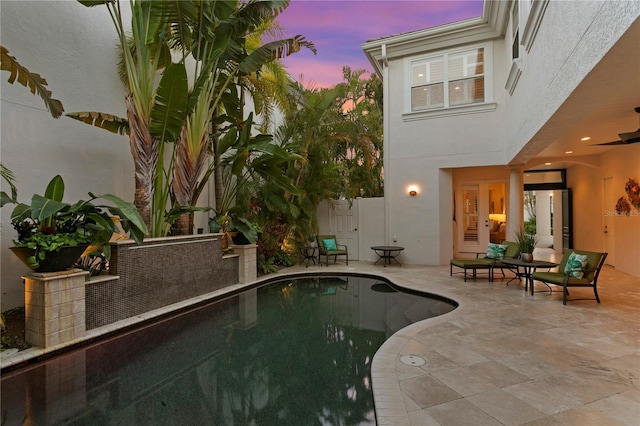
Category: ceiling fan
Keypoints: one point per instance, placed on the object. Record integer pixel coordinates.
(626, 138)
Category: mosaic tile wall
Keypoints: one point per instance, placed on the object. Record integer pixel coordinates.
(158, 273)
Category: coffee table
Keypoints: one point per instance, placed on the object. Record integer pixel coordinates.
(529, 268)
(387, 253)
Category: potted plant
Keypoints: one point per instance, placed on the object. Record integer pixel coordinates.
(53, 234)
(235, 229)
(526, 243)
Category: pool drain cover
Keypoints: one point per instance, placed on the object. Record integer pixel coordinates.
(412, 360)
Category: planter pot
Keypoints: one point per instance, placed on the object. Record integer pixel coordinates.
(228, 238)
(54, 261)
(526, 257)
(240, 240)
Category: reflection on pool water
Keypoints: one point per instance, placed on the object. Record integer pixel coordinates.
(293, 352)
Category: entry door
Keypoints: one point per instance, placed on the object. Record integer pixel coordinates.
(344, 222)
(608, 229)
(567, 220)
(482, 207)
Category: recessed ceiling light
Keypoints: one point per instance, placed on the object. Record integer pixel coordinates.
(547, 164)
(568, 152)
(586, 138)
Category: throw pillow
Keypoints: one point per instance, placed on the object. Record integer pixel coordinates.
(496, 251)
(576, 264)
(330, 244)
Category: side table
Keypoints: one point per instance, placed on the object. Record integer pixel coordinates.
(308, 253)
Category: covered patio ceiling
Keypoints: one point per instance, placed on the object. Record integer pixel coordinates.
(600, 108)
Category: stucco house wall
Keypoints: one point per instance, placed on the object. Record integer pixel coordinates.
(428, 149)
(587, 184)
(74, 49)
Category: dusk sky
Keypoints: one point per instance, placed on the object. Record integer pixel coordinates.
(339, 27)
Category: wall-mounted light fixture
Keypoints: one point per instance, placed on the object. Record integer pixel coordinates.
(412, 190)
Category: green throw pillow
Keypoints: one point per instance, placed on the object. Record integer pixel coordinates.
(576, 264)
(330, 245)
(496, 251)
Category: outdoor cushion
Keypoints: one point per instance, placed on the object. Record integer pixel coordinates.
(496, 251)
(576, 264)
(330, 244)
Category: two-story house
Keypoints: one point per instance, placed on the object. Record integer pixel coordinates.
(480, 110)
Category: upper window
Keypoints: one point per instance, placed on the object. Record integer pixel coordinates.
(515, 31)
(448, 79)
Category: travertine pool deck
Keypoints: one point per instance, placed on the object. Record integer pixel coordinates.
(503, 357)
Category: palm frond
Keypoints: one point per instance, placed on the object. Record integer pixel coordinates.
(102, 120)
(33, 81)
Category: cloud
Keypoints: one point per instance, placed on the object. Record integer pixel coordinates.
(338, 28)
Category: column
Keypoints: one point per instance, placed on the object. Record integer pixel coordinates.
(54, 307)
(248, 263)
(515, 217)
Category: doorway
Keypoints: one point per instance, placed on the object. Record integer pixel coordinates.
(343, 220)
(608, 225)
(483, 215)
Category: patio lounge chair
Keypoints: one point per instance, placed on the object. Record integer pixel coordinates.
(583, 270)
(328, 246)
(489, 261)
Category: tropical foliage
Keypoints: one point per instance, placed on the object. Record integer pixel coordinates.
(337, 141)
(208, 37)
(48, 223)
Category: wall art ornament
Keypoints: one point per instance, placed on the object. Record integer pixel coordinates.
(632, 188)
(623, 207)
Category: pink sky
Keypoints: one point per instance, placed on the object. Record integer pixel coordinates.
(339, 27)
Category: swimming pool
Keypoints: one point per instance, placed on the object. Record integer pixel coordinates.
(293, 352)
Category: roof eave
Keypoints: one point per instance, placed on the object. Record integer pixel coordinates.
(492, 24)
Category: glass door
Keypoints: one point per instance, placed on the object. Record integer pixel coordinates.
(483, 208)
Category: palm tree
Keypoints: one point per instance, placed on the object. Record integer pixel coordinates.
(210, 34)
(233, 63)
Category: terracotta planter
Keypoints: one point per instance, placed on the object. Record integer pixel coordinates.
(54, 261)
(227, 238)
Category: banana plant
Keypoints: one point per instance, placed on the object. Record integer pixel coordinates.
(209, 32)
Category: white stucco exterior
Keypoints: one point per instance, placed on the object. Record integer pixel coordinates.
(574, 55)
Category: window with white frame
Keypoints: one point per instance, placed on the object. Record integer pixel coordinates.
(448, 79)
(515, 31)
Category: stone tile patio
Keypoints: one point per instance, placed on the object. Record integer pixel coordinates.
(503, 357)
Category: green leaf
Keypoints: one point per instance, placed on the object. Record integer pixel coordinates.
(55, 189)
(128, 211)
(20, 212)
(44, 208)
(274, 50)
(91, 3)
(227, 140)
(5, 199)
(170, 107)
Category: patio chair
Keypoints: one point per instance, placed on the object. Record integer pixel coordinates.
(512, 252)
(576, 269)
(328, 246)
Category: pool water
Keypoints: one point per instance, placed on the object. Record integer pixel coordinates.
(293, 352)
